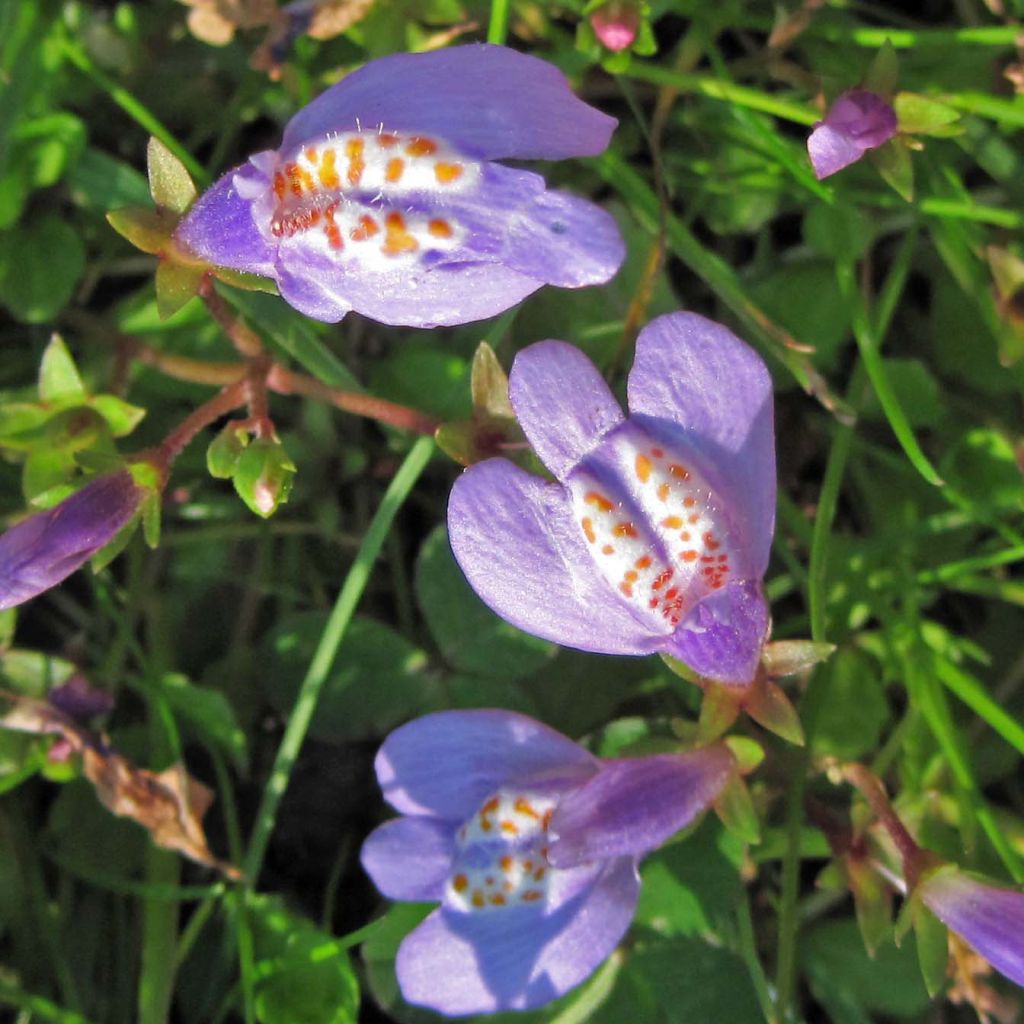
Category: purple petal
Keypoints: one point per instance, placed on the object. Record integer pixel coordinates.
(518, 958)
(986, 917)
(446, 764)
(863, 116)
(410, 858)
(562, 403)
(515, 538)
(831, 150)
(488, 101)
(220, 227)
(858, 120)
(723, 636)
(632, 806)
(79, 699)
(565, 241)
(49, 546)
(417, 295)
(700, 376)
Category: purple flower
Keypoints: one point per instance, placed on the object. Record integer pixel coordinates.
(658, 531)
(988, 918)
(859, 120)
(531, 846)
(43, 549)
(383, 198)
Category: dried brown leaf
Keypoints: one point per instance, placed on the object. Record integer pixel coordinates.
(168, 804)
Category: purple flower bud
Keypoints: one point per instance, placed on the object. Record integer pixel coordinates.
(531, 846)
(657, 533)
(383, 197)
(43, 549)
(986, 917)
(80, 700)
(859, 120)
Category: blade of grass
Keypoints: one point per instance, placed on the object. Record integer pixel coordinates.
(868, 347)
(971, 691)
(327, 649)
(497, 29)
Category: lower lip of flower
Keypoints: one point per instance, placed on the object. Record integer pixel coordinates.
(352, 193)
(654, 526)
(502, 854)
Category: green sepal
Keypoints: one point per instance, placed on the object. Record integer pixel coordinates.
(932, 940)
(719, 708)
(22, 424)
(110, 551)
(46, 477)
(170, 184)
(59, 380)
(884, 72)
(148, 230)
(1007, 271)
(768, 705)
(921, 115)
(246, 282)
(681, 669)
(151, 518)
(121, 417)
(264, 476)
(8, 622)
(735, 808)
(488, 384)
(224, 451)
(748, 753)
(892, 160)
(176, 284)
(832, 877)
(787, 657)
(872, 900)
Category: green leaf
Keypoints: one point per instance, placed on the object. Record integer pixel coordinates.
(264, 476)
(46, 476)
(40, 263)
(378, 680)
(176, 284)
(841, 973)
(921, 115)
(839, 232)
(170, 184)
(469, 635)
(854, 710)
(33, 673)
(21, 424)
(100, 181)
(892, 160)
(59, 381)
(121, 417)
(208, 714)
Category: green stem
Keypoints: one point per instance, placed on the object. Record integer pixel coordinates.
(327, 649)
(497, 30)
(748, 950)
(159, 938)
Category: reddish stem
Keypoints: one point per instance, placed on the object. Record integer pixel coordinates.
(228, 399)
(870, 787)
(196, 371)
(243, 337)
(285, 382)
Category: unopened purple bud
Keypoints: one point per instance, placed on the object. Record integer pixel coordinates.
(47, 547)
(859, 120)
(79, 699)
(988, 918)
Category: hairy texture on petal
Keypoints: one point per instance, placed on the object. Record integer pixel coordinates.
(409, 858)
(698, 375)
(44, 549)
(562, 403)
(859, 120)
(986, 917)
(515, 538)
(220, 227)
(447, 763)
(488, 101)
(632, 806)
(723, 637)
(521, 958)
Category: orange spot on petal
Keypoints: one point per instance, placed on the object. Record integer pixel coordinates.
(440, 228)
(394, 170)
(420, 146)
(643, 468)
(446, 173)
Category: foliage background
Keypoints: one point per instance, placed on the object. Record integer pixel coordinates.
(899, 528)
